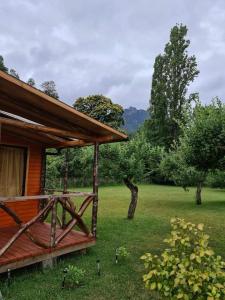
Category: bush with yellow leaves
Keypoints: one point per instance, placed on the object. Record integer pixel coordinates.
(188, 269)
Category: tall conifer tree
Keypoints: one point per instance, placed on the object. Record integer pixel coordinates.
(174, 70)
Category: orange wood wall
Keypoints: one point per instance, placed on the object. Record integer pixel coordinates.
(27, 209)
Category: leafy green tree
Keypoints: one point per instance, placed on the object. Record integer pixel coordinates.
(14, 73)
(132, 162)
(81, 166)
(203, 144)
(109, 167)
(31, 82)
(174, 70)
(157, 125)
(2, 65)
(201, 150)
(53, 171)
(174, 167)
(152, 157)
(131, 167)
(102, 109)
(49, 88)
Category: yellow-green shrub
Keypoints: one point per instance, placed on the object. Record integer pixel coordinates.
(188, 269)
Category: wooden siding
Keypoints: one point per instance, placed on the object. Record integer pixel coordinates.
(28, 209)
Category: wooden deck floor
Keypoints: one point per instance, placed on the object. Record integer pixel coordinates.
(24, 252)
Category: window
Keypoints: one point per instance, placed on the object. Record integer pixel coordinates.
(12, 171)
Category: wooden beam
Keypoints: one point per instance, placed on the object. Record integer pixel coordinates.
(39, 137)
(95, 190)
(81, 143)
(30, 96)
(76, 219)
(50, 136)
(71, 144)
(37, 115)
(26, 138)
(10, 212)
(45, 129)
(39, 197)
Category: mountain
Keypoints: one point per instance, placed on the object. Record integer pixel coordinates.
(133, 118)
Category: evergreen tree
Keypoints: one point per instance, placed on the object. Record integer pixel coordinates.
(174, 70)
(2, 65)
(158, 122)
(49, 88)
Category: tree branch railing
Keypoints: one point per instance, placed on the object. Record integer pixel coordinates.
(51, 205)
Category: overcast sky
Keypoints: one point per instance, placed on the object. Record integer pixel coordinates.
(108, 47)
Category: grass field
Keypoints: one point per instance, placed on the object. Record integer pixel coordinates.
(157, 204)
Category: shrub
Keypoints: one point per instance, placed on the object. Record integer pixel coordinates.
(216, 179)
(188, 269)
(74, 276)
(122, 252)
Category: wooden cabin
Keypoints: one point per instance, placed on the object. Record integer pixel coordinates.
(31, 122)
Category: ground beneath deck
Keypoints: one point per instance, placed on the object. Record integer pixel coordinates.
(24, 252)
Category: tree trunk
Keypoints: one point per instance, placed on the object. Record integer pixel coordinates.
(198, 193)
(134, 197)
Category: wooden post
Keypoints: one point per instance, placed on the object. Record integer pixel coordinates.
(65, 177)
(42, 203)
(65, 184)
(53, 223)
(95, 189)
(0, 144)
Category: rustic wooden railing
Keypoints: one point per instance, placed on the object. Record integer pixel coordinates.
(49, 205)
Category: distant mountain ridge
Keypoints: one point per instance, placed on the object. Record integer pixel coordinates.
(133, 118)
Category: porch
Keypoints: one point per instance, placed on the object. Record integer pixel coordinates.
(37, 240)
(34, 226)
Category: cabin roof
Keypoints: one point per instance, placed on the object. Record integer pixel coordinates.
(28, 112)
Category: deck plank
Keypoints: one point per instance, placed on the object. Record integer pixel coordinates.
(24, 249)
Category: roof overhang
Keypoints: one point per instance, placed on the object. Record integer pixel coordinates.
(27, 111)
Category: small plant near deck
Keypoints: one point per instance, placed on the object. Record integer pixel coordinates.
(188, 269)
(121, 253)
(74, 276)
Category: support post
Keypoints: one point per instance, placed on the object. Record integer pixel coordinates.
(42, 203)
(48, 263)
(95, 190)
(53, 223)
(65, 184)
(0, 144)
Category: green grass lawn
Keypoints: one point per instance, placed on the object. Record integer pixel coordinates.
(157, 204)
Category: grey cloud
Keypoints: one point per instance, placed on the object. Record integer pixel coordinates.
(109, 47)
